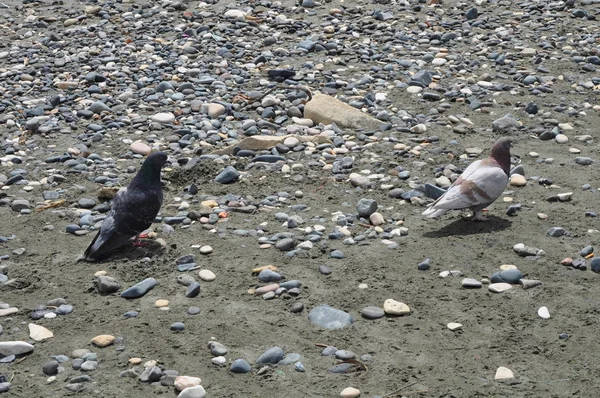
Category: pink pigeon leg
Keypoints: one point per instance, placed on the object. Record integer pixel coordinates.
(137, 242)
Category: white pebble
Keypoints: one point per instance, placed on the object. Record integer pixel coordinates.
(499, 287)
(350, 392)
(219, 360)
(207, 275)
(503, 373)
(206, 250)
(454, 326)
(544, 313)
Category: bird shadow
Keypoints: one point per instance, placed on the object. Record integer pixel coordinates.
(462, 227)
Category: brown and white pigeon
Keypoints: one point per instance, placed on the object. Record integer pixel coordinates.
(133, 209)
(478, 186)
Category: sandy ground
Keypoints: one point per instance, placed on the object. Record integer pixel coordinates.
(414, 355)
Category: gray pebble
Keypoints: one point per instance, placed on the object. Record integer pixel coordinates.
(372, 313)
(240, 366)
(272, 355)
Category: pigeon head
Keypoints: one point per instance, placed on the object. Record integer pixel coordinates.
(501, 153)
(155, 161)
(149, 173)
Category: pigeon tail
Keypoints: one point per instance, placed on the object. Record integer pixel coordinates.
(433, 212)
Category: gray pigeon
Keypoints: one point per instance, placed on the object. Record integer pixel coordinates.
(133, 209)
(478, 186)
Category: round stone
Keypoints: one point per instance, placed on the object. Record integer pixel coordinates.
(160, 303)
(207, 275)
(517, 180)
(206, 249)
(350, 392)
(140, 148)
(561, 139)
(103, 340)
(163, 117)
(544, 313)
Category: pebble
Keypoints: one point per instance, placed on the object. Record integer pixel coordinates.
(544, 313)
(139, 289)
(217, 349)
(107, 285)
(39, 333)
(15, 348)
(273, 355)
(517, 180)
(240, 366)
(454, 326)
(470, 283)
(183, 382)
(103, 340)
(499, 287)
(372, 312)
(510, 275)
(207, 275)
(329, 318)
(393, 307)
(192, 392)
(503, 373)
(219, 361)
(350, 392)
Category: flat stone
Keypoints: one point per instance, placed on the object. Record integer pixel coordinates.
(39, 333)
(393, 307)
(372, 312)
(499, 287)
(103, 340)
(470, 283)
(139, 289)
(329, 318)
(529, 283)
(8, 311)
(163, 117)
(350, 392)
(326, 109)
(503, 373)
(140, 148)
(14, 348)
(207, 275)
(454, 326)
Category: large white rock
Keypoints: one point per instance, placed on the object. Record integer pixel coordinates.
(39, 333)
(326, 109)
(393, 307)
(544, 313)
(14, 348)
(504, 373)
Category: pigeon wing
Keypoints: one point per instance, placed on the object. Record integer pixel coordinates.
(480, 186)
(132, 212)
